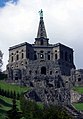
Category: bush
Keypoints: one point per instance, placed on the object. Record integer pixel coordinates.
(31, 110)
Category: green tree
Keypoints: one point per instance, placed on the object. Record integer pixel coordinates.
(30, 109)
(55, 112)
(14, 112)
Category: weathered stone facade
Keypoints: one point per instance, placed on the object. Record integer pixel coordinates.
(46, 67)
(49, 90)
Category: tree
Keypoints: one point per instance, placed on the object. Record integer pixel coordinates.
(55, 112)
(14, 112)
(30, 109)
(1, 57)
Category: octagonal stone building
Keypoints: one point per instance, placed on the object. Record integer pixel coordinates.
(39, 59)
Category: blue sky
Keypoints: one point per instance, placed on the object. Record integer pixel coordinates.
(19, 20)
(3, 2)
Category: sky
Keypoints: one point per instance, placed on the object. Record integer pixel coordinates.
(63, 19)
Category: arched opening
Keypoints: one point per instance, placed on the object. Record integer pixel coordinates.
(16, 78)
(50, 72)
(79, 79)
(22, 55)
(30, 72)
(17, 57)
(55, 56)
(12, 59)
(43, 70)
(48, 57)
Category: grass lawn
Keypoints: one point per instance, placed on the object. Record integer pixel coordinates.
(78, 106)
(6, 103)
(78, 89)
(13, 87)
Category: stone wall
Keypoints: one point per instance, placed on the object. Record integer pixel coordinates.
(75, 97)
(49, 90)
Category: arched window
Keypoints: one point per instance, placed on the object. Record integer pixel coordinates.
(17, 57)
(43, 70)
(12, 59)
(30, 72)
(22, 55)
(55, 56)
(50, 72)
(36, 72)
(48, 56)
(79, 79)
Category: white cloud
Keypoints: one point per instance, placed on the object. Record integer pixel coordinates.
(63, 21)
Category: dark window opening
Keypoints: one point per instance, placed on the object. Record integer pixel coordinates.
(79, 79)
(17, 57)
(12, 59)
(43, 70)
(22, 55)
(56, 71)
(30, 72)
(48, 57)
(25, 62)
(55, 56)
(36, 72)
(41, 42)
(50, 72)
(16, 78)
(55, 50)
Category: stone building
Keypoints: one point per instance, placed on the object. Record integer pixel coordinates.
(41, 58)
(43, 66)
(77, 77)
